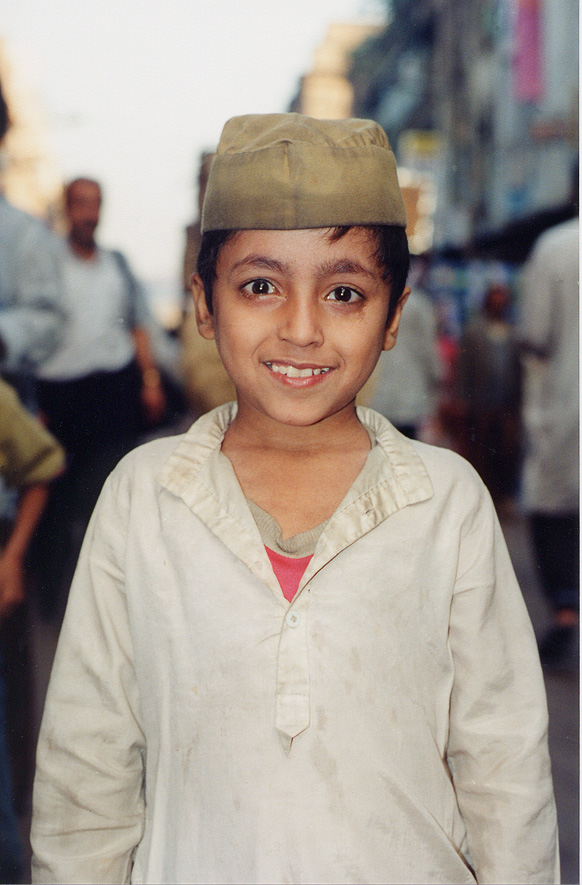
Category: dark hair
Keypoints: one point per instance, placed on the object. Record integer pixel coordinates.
(391, 254)
(71, 185)
(4, 115)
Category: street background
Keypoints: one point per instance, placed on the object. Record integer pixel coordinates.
(480, 101)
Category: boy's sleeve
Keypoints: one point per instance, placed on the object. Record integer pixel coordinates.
(88, 804)
(497, 750)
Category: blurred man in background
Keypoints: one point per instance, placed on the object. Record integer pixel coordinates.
(489, 386)
(205, 380)
(95, 388)
(406, 384)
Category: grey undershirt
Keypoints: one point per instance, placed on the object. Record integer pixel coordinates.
(296, 546)
(304, 543)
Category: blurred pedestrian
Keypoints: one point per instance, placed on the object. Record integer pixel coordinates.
(549, 337)
(206, 382)
(31, 314)
(94, 390)
(193, 233)
(489, 387)
(29, 458)
(406, 381)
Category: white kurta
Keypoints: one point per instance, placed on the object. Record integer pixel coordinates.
(389, 725)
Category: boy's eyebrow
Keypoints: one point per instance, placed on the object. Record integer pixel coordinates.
(261, 261)
(340, 266)
(343, 265)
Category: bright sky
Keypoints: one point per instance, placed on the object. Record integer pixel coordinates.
(134, 90)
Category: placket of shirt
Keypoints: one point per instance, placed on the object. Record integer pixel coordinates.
(241, 536)
(292, 713)
(226, 513)
(293, 680)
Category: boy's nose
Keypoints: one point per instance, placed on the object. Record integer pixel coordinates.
(301, 322)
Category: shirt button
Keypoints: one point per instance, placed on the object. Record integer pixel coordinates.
(293, 619)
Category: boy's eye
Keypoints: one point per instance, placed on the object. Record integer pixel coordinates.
(344, 294)
(259, 287)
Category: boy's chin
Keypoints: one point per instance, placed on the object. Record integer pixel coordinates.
(298, 418)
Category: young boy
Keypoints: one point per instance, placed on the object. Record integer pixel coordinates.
(295, 650)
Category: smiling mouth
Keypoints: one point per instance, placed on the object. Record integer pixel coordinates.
(293, 372)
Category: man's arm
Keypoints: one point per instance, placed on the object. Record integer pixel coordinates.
(152, 392)
(30, 506)
(32, 319)
(32, 457)
(497, 751)
(140, 320)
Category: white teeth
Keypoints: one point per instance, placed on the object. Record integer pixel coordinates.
(292, 372)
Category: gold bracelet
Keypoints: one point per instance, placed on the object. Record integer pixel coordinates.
(151, 378)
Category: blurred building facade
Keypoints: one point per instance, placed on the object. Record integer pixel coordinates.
(326, 92)
(29, 176)
(483, 95)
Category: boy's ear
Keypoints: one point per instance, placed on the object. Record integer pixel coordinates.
(391, 332)
(204, 319)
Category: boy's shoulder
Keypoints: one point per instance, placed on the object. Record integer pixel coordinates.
(174, 460)
(439, 458)
(448, 472)
(435, 458)
(151, 454)
(446, 466)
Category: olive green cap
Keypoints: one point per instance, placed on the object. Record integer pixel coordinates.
(291, 172)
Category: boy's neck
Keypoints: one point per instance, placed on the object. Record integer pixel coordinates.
(299, 475)
(252, 430)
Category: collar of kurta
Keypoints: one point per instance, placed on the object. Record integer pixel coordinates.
(394, 477)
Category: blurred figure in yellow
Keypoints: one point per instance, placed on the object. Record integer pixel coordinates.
(204, 377)
(489, 381)
(193, 233)
(29, 458)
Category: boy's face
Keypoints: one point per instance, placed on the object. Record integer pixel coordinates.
(299, 320)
